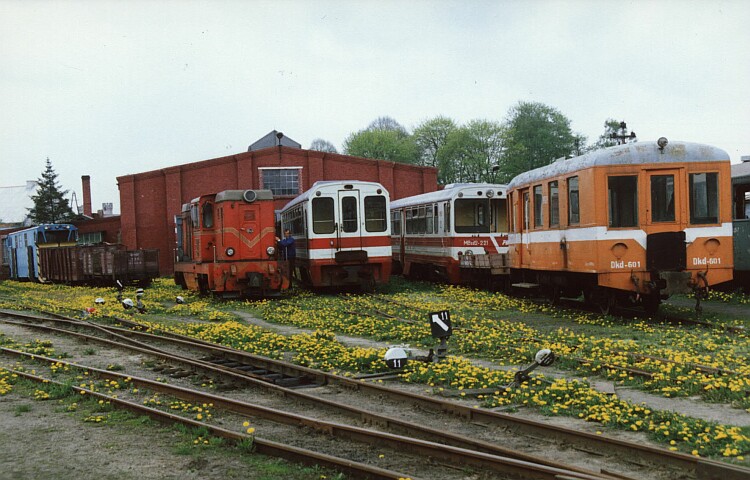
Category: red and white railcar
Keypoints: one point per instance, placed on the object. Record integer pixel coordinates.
(458, 234)
(226, 245)
(630, 224)
(342, 234)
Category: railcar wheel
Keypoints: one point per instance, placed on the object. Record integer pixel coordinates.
(553, 294)
(651, 303)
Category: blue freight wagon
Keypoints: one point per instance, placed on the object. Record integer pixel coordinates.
(22, 248)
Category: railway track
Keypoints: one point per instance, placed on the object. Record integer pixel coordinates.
(245, 369)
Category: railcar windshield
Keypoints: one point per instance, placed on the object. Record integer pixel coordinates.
(375, 214)
(623, 201)
(472, 215)
(704, 198)
(56, 236)
(322, 213)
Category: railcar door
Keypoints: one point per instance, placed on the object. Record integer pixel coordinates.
(250, 233)
(523, 246)
(349, 231)
(665, 241)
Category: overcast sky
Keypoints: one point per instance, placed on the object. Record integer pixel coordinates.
(109, 88)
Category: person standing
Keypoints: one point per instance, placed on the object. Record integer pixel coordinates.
(287, 251)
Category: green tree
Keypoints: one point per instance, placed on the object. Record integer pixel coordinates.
(430, 137)
(536, 135)
(323, 146)
(471, 152)
(383, 139)
(50, 205)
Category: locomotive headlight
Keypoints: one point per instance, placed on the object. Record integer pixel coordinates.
(230, 252)
(468, 252)
(490, 193)
(270, 251)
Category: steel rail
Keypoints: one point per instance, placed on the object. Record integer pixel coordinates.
(260, 445)
(703, 469)
(383, 421)
(457, 456)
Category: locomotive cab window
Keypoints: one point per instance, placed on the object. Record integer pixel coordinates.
(574, 216)
(704, 198)
(375, 214)
(322, 213)
(623, 201)
(208, 215)
(662, 198)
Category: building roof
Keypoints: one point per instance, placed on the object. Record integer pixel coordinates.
(15, 202)
(740, 170)
(273, 139)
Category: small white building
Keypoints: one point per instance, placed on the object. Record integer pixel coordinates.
(15, 202)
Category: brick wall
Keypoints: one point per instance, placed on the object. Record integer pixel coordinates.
(150, 200)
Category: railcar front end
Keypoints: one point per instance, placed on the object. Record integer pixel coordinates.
(342, 234)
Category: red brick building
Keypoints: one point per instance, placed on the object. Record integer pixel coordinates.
(150, 200)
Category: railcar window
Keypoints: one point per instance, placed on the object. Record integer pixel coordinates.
(434, 218)
(421, 221)
(554, 205)
(623, 201)
(208, 215)
(704, 198)
(322, 214)
(396, 222)
(574, 215)
(447, 214)
(349, 214)
(538, 206)
(429, 219)
(471, 215)
(662, 198)
(375, 220)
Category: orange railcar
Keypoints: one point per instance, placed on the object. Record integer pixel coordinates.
(226, 245)
(631, 224)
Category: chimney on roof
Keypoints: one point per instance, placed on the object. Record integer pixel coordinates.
(86, 181)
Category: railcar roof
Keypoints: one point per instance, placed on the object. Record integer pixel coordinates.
(305, 196)
(47, 226)
(449, 192)
(631, 153)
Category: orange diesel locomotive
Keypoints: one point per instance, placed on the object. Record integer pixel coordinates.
(630, 224)
(457, 234)
(226, 244)
(342, 234)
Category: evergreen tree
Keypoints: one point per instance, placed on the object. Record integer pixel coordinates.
(50, 205)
